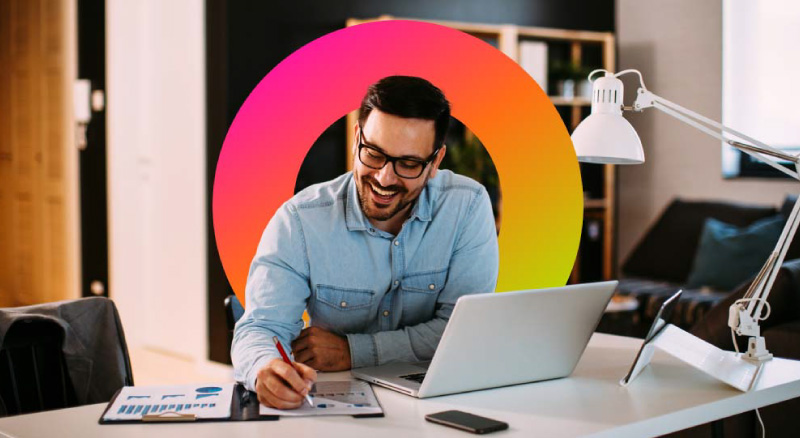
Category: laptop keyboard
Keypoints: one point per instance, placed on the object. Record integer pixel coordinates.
(416, 377)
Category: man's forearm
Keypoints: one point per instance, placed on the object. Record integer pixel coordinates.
(409, 344)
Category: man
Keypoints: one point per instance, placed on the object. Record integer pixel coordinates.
(378, 256)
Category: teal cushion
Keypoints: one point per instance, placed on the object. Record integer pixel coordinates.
(728, 255)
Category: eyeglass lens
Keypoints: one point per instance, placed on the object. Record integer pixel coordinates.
(376, 159)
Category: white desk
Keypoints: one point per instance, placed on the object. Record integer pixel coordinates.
(668, 396)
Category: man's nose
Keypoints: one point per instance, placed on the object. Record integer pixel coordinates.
(386, 176)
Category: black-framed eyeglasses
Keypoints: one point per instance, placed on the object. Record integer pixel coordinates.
(374, 158)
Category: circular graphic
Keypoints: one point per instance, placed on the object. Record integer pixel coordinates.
(490, 93)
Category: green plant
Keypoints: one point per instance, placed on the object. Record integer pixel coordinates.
(565, 70)
(469, 157)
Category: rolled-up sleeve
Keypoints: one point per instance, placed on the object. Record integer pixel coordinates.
(276, 295)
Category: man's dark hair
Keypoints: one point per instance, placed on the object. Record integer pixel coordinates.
(408, 97)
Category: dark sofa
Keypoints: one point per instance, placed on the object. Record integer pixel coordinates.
(660, 264)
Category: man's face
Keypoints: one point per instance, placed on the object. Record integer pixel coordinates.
(382, 194)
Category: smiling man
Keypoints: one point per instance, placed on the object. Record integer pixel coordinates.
(378, 256)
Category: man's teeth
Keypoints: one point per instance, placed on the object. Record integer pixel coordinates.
(382, 192)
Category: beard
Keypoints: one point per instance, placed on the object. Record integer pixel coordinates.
(379, 212)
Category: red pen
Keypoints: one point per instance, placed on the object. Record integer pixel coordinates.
(289, 361)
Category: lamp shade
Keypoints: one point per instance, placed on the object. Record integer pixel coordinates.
(605, 136)
(607, 139)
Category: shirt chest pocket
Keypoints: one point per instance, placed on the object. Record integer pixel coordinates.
(342, 310)
(420, 292)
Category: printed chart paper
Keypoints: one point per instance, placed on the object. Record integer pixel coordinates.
(334, 398)
(204, 401)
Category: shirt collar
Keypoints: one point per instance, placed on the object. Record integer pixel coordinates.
(354, 216)
(422, 209)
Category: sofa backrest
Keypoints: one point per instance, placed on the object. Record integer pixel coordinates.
(667, 250)
(786, 210)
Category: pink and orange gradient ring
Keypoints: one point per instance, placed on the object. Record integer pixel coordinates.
(491, 94)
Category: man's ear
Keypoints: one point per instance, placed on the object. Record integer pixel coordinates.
(438, 160)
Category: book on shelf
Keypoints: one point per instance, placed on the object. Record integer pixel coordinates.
(533, 59)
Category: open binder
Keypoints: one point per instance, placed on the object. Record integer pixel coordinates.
(244, 407)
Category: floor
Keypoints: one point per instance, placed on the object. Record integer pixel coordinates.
(154, 367)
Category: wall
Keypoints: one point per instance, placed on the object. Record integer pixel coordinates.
(677, 45)
(156, 165)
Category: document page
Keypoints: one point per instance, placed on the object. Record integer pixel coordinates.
(204, 401)
(341, 397)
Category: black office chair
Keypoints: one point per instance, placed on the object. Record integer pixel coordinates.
(63, 354)
(233, 311)
(33, 371)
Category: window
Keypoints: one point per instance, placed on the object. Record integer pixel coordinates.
(760, 79)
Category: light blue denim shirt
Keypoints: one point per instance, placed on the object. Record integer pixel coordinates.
(390, 295)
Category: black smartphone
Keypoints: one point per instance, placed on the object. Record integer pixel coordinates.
(468, 422)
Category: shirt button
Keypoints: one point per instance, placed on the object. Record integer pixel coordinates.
(372, 230)
(431, 286)
(396, 282)
(396, 242)
(385, 313)
(344, 304)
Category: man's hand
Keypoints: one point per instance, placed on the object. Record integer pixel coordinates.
(283, 386)
(322, 350)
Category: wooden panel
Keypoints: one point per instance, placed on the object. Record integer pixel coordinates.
(352, 119)
(508, 42)
(609, 246)
(24, 102)
(55, 249)
(54, 246)
(52, 127)
(609, 225)
(6, 247)
(24, 260)
(36, 219)
(495, 29)
(570, 101)
(6, 188)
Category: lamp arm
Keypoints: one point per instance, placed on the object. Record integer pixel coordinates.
(753, 303)
(757, 149)
(762, 285)
(647, 99)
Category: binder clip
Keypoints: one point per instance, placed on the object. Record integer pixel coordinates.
(169, 416)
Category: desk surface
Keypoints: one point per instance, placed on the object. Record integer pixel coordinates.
(668, 396)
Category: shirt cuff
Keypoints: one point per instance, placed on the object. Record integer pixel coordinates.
(250, 383)
(363, 352)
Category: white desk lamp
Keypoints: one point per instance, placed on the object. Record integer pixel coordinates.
(606, 137)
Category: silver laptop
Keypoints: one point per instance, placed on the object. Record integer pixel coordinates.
(502, 339)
